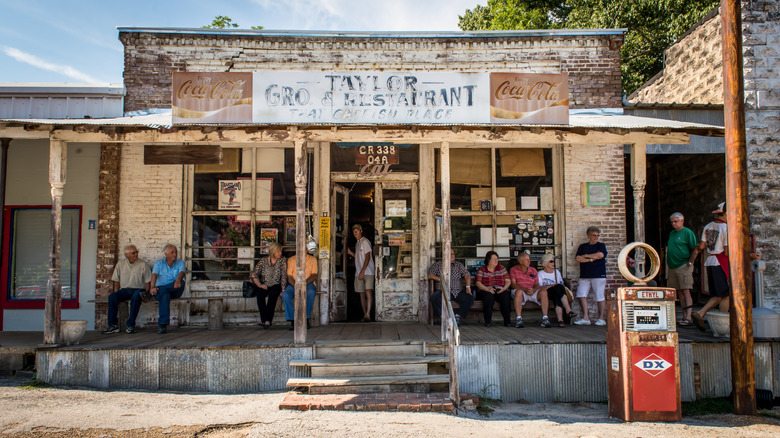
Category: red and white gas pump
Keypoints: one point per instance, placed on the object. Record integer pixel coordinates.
(642, 353)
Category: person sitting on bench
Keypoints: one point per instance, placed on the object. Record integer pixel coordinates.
(493, 283)
(525, 282)
(310, 270)
(458, 276)
(131, 278)
(167, 283)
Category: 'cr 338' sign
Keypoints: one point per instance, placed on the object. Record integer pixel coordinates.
(375, 159)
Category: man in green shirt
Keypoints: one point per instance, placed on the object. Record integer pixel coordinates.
(680, 255)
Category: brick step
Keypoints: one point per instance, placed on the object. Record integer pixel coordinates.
(405, 402)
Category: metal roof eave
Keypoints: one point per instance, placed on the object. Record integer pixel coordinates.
(378, 34)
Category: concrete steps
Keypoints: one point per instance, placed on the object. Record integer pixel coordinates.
(372, 367)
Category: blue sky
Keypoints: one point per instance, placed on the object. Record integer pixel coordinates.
(76, 40)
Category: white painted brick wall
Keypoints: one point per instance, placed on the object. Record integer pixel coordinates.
(599, 163)
(150, 204)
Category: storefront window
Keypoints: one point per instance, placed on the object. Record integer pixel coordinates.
(235, 216)
(516, 215)
(27, 254)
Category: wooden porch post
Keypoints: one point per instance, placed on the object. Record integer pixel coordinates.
(58, 153)
(638, 182)
(743, 373)
(300, 241)
(446, 234)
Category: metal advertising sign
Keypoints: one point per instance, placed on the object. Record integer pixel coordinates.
(654, 378)
(212, 97)
(372, 97)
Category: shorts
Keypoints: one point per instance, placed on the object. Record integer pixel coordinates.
(367, 283)
(532, 298)
(681, 278)
(716, 279)
(598, 284)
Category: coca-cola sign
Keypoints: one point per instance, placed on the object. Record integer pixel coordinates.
(212, 97)
(529, 98)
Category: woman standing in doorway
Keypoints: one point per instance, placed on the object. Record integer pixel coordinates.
(269, 275)
(493, 285)
(364, 271)
(593, 274)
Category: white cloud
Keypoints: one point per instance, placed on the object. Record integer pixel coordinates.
(35, 61)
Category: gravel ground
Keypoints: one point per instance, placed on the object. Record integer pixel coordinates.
(79, 412)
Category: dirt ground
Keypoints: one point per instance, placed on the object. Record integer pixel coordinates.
(78, 412)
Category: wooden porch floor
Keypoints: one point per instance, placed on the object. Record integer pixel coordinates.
(253, 337)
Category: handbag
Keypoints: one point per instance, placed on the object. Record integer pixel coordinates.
(569, 295)
(248, 290)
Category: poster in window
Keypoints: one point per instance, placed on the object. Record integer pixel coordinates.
(231, 195)
(395, 208)
(267, 237)
(289, 230)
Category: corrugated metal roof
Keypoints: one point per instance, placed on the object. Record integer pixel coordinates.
(363, 34)
(576, 121)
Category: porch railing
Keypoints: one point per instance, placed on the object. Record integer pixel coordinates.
(450, 333)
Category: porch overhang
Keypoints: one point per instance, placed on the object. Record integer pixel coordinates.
(157, 128)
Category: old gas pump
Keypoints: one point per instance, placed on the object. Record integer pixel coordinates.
(642, 353)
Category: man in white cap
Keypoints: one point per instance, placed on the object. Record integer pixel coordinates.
(717, 264)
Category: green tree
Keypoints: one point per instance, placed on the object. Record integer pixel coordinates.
(223, 21)
(652, 25)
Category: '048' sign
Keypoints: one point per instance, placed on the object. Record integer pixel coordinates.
(375, 159)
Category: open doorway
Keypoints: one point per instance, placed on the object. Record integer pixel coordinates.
(353, 203)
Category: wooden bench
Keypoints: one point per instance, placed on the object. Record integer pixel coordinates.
(215, 304)
(478, 305)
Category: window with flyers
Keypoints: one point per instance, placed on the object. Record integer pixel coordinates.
(238, 208)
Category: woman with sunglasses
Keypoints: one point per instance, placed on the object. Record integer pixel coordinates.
(551, 280)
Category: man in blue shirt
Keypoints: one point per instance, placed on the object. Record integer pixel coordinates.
(167, 282)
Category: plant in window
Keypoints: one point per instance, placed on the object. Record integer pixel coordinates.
(237, 233)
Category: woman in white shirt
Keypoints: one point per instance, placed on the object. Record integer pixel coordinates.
(551, 280)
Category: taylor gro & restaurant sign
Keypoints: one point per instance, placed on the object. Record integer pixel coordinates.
(370, 98)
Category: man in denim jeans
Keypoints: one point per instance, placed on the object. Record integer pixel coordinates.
(131, 278)
(167, 282)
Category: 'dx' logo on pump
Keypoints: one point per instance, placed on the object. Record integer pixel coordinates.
(653, 365)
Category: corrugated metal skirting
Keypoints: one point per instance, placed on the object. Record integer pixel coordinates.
(578, 372)
(535, 372)
(223, 371)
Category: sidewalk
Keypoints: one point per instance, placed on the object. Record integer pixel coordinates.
(65, 412)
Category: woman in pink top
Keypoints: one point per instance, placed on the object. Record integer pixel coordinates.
(493, 285)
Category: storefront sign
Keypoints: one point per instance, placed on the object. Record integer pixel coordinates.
(212, 97)
(324, 238)
(529, 98)
(372, 97)
(376, 153)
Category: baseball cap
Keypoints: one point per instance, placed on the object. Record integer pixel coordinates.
(357, 227)
(546, 258)
(721, 208)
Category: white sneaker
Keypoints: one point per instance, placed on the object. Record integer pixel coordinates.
(601, 322)
(582, 322)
